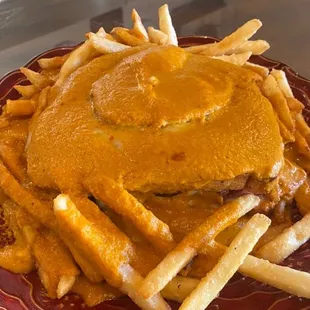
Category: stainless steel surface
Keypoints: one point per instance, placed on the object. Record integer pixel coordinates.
(28, 27)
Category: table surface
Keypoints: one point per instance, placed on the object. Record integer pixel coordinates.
(28, 27)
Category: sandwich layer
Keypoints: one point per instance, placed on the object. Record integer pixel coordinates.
(157, 119)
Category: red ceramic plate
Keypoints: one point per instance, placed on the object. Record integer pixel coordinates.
(26, 292)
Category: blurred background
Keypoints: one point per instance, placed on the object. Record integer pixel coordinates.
(28, 27)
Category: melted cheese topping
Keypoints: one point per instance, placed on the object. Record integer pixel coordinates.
(156, 119)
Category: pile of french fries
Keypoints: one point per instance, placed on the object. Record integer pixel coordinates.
(84, 239)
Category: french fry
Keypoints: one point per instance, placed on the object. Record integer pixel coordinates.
(202, 263)
(302, 126)
(36, 95)
(181, 255)
(101, 33)
(94, 293)
(302, 198)
(236, 59)
(230, 42)
(179, 288)
(52, 74)
(4, 122)
(25, 199)
(3, 197)
(102, 222)
(295, 105)
(272, 91)
(197, 49)
(64, 285)
(37, 79)
(109, 254)
(53, 62)
(282, 81)
(121, 247)
(166, 26)
(105, 46)
(278, 276)
(127, 38)
(286, 135)
(157, 36)
(12, 160)
(65, 211)
(16, 257)
(271, 234)
(89, 268)
(302, 144)
(209, 287)
(131, 283)
(262, 71)
(22, 222)
(42, 103)
(287, 279)
(129, 207)
(27, 91)
(93, 214)
(286, 243)
(56, 269)
(257, 47)
(20, 107)
(262, 270)
(76, 59)
(138, 26)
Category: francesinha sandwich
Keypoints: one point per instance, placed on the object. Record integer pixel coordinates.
(134, 166)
